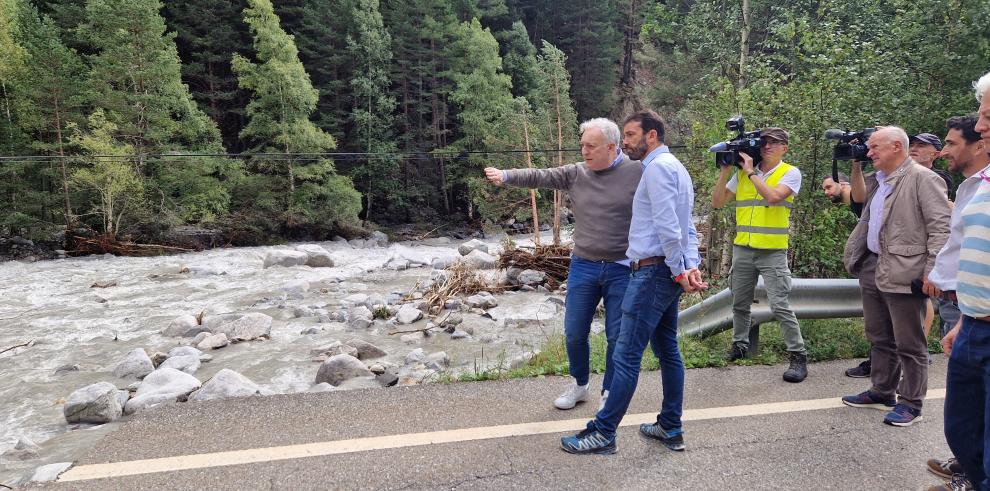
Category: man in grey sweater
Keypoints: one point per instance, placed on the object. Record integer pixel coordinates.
(601, 189)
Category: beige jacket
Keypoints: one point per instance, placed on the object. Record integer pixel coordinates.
(915, 226)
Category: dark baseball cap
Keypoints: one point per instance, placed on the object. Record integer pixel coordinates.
(929, 139)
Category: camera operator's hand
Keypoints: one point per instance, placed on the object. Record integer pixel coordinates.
(747, 163)
(493, 175)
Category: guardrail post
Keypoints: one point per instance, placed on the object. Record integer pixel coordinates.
(754, 341)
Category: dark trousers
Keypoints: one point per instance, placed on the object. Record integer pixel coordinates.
(966, 401)
(894, 328)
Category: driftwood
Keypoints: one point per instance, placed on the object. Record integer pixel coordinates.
(105, 244)
(29, 343)
(554, 260)
(460, 280)
(103, 285)
(407, 331)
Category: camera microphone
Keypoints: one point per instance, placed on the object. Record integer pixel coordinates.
(719, 147)
(834, 134)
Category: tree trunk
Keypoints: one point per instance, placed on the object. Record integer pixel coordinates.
(65, 175)
(532, 192)
(560, 161)
(744, 44)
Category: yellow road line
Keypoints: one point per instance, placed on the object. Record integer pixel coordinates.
(317, 449)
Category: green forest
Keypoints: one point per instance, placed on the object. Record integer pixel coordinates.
(304, 119)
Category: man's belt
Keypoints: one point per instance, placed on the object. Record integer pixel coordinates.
(649, 261)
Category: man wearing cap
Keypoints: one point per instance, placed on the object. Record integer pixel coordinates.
(764, 197)
(924, 149)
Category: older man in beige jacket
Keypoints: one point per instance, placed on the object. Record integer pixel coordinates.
(904, 224)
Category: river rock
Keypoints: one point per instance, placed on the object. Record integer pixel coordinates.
(480, 260)
(472, 245)
(295, 289)
(136, 364)
(413, 337)
(285, 258)
(366, 350)
(482, 300)
(66, 369)
(322, 387)
(397, 264)
(379, 238)
(340, 368)
(357, 299)
(356, 383)
(459, 334)
(335, 348)
(50, 472)
(408, 314)
(359, 317)
(252, 326)
(214, 341)
(439, 359)
(199, 338)
(184, 326)
(161, 386)
(531, 277)
(186, 363)
(184, 351)
(24, 450)
(415, 356)
(96, 403)
(316, 256)
(226, 383)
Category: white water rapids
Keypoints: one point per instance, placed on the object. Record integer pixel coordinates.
(72, 322)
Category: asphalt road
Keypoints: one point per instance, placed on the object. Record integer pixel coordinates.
(745, 428)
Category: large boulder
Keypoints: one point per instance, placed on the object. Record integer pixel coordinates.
(185, 326)
(183, 351)
(24, 450)
(316, 256)
(285, 258)
(366, 350)
(472, 245)
(408, 314)
(161, 386)
(136, 365)
(531, 277)
(480, 260)
(96, 403)
(359, 317)
(226, 383)
(357, 299)
(251, 326)
(186, 363)
(342, 367)
(379, 238)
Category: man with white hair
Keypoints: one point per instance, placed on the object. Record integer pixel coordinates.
(905, 223)
(968, 343)
(601, 189)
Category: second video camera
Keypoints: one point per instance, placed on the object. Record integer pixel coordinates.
(727, 152)
(851, 145)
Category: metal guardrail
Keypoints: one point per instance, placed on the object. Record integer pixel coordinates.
(809, 298)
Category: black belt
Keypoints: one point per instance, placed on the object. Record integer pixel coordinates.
(649, 261)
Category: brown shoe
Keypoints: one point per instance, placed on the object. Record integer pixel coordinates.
(945, 468)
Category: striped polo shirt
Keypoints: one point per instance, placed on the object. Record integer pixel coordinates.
(973, 287)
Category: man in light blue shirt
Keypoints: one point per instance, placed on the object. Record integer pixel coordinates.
(663, 247)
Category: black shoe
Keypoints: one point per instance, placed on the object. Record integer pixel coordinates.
(672, 439)
(860, 371)
(738, 351)
(798, 370)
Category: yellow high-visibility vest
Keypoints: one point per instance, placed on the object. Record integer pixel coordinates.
(759, 224)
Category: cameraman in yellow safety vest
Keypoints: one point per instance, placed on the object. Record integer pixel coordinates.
(764, 197)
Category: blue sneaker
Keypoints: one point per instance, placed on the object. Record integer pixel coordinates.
(902, 416)
(869, 400)
(672, 439)
(588, 441)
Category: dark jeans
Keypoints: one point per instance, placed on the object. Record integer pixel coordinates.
(649, 315)
(967, 389)
(589, 282)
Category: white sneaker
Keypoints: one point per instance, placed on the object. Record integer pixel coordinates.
(604, 399)
(575, 393)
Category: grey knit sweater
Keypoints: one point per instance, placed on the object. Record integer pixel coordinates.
(602, 203)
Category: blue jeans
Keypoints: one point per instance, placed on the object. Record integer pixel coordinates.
(649, 315)
(588, 282)
(967, 390)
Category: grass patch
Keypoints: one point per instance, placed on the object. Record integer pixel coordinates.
(824, 339)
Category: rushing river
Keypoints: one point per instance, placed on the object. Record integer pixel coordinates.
(89, 312)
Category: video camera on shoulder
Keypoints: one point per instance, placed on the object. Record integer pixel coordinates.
(727, 152)
(851, 145)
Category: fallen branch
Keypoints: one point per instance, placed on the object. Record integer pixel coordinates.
(29, 343)
(104, 244)
(407, 331)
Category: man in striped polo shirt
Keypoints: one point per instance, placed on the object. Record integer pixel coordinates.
(968, 343)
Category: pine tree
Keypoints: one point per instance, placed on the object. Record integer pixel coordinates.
(207, 33)
(136, 74)
(278, 121)
(519, 59)
(12, 55)
(370, 48)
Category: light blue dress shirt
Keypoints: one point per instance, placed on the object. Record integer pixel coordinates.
(661, 219)
(876, 212)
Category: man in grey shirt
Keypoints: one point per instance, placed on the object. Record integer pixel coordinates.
(601, 189)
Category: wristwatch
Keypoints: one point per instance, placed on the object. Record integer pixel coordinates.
(750, 174)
